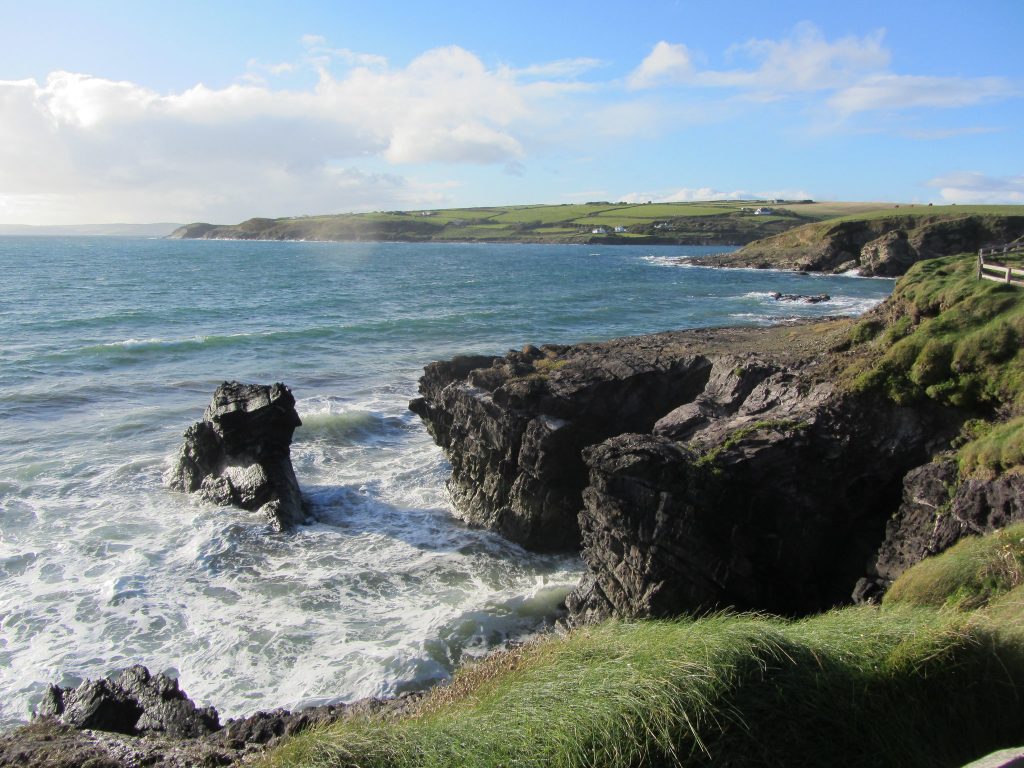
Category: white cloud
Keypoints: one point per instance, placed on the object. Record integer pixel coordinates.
(902, 92)
(666, 63)
(684, 195)
(87, 144)
(805, 61)
(707, 194)
(850, 72)
(562, 68)
(973, 187)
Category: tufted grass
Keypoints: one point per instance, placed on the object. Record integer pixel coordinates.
(947, 336)
(902, 685)
(970, 574)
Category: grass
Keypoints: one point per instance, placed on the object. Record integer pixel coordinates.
(934, 210)
(947, 336)
(861, 686)
(970, 574)
(995, 449)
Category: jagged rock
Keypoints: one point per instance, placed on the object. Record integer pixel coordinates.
(703, 474)
(134, 719)
(239, 453)
(514, 427)
(132, 702)
(817, 298)
(774, 507)
(937, 511)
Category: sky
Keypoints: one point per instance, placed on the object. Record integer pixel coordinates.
(220, 111)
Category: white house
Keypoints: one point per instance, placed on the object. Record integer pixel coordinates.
(599, 231)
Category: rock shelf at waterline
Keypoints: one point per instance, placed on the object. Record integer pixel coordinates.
(133, 717)
(239, 453)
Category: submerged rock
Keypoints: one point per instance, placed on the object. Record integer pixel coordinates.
(239, 453)
(817, 298)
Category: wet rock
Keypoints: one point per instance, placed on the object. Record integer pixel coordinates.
(239, 453)
(132, 702)
(815, 299)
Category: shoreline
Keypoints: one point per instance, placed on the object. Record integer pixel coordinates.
(475, 241)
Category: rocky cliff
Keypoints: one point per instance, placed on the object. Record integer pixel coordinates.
(881, 246)
(694, 469)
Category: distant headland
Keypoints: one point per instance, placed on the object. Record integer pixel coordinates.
(727, 222)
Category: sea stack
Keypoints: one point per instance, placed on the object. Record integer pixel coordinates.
(239, 454)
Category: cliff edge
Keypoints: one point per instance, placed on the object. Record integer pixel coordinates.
(767, 469)
(880, 245)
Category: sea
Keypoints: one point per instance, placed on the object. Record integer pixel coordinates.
(111, 347)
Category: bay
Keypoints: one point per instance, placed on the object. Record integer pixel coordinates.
(110, 347)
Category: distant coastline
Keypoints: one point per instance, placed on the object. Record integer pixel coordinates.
(732, 222)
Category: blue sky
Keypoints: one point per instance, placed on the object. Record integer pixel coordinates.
(217, 111)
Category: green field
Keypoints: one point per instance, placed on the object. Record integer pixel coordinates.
(731, 222)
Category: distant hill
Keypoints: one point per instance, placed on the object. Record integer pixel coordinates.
(77, 230)
(732, 222)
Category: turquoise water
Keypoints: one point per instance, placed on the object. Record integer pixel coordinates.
(111, 347)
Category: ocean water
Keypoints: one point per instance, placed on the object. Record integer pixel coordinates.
(110, 348)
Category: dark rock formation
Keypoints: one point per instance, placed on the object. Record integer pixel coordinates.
(133, 702)
(514, 427)
(135, 719)
(769, 508)
(817, 298)
(703, 474)
(239, 453)
(937, 511)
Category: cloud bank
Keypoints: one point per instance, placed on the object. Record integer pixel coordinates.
(344, 130)
(973, 187)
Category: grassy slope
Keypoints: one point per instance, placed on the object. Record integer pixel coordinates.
(949, 337)
(901, 685)
(713, 222)
(974, 573)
